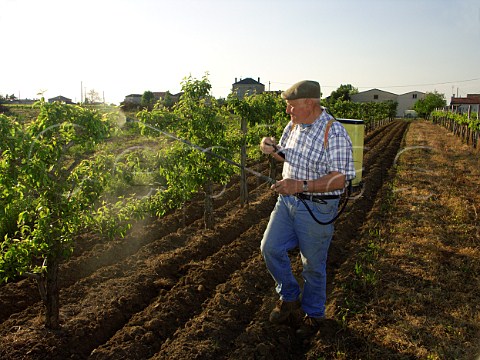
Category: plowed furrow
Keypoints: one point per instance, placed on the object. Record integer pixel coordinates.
(226, 315)
(170, 312)
(375, 136)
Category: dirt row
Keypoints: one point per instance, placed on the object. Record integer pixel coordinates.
(171, 289)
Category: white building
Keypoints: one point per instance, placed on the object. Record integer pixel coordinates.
(404, 101)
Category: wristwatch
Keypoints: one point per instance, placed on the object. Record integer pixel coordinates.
(305, 186)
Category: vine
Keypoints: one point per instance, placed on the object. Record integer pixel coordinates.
(466, 126)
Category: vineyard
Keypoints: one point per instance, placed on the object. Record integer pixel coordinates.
(175, 288)
(466, 126)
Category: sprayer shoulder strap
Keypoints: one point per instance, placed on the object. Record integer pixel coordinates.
(327, 129)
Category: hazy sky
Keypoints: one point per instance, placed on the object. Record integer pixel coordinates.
(121, 47)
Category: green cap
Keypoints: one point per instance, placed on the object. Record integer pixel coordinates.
(306, 89)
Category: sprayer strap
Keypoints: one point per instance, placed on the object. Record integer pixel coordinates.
(327, 129)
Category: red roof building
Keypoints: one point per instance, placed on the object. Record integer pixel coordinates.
(471, 103)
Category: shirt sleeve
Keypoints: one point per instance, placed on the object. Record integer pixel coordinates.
(283, 139)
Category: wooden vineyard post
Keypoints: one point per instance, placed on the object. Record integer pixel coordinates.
(243, 162)
(208, 218)
(468, 124)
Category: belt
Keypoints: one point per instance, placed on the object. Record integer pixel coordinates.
(317, 198)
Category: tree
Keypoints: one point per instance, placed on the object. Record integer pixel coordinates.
(93, 97)
(367, 111)
(200, 123)
(343, 93)
(49, 186)
(148, 99)
(168, 100)
(432, 101)
(3, 109)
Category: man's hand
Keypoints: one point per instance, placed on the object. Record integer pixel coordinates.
(288, 186)
(268, 145)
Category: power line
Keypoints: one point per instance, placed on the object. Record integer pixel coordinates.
(431, 84)
(393, 86)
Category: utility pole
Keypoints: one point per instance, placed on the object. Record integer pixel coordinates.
(81, 92)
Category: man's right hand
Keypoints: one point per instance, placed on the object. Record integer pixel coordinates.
(268, 145)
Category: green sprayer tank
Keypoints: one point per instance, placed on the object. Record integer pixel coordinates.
(356, 131)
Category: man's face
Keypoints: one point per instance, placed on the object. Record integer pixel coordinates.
(298, 110)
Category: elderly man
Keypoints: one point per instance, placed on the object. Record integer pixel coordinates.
(318, 163)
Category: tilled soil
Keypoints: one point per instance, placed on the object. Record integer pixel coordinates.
(172, 290)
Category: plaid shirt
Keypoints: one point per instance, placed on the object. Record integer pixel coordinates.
(306, 157)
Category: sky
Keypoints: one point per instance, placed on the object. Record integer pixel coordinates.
(122, 47)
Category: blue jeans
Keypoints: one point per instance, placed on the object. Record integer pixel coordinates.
(291, 225)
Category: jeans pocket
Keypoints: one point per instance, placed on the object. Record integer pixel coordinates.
(329, 208)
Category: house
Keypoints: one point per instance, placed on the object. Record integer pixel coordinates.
(60, 98)
(133, 99)
(137, 98)
(24, 101)
(247, 86)
(404, 101)
(464, 105)
(375, 95)
(162, 94)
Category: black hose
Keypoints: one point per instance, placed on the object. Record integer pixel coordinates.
(347, 195)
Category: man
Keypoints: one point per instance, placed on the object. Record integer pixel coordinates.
(317, 166)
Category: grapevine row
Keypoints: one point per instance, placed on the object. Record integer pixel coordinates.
(466, 126)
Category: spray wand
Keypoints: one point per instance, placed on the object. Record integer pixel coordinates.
(209, 151)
